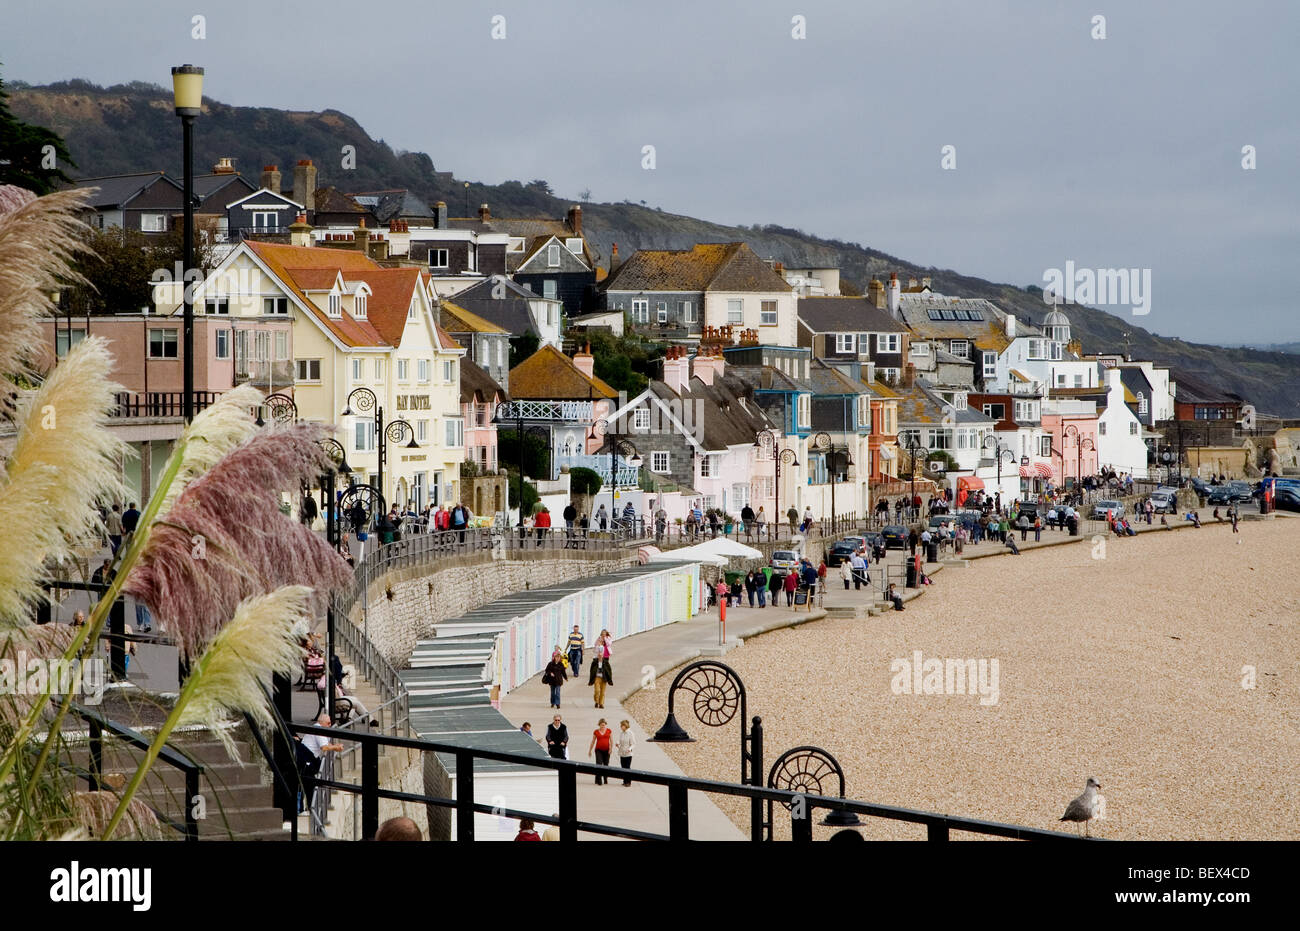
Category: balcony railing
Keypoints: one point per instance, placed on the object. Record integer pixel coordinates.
(628, 476)
(571, 411)
(159, 403)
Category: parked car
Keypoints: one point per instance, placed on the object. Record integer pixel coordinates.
(1030, 510)
(859, 542)
(840, 551)
(1165, 500)
(1276, 483)
(1287, 498)
(1107, 508)
(895, 536)
(1229, 492)
(940, 520)
(784, 561)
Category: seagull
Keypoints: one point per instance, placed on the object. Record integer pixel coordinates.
(1084, 808)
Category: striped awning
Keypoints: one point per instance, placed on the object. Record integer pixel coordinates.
(1028, 471)
(1044, 470)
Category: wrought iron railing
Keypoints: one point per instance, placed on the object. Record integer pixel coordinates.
(575, 411)
(159, 403)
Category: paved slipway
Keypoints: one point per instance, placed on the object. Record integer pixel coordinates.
(641, 666)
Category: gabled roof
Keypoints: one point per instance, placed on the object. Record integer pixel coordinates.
(315, 279)
(391, 292)
(267, 192)
(920, 405)
(289, 262)
(207, 186)
(721, 418)
(459, 320)
(476, 385)
(845, 315)
(512, 312)
(534, 248)
(827, 380)
(551, 375)
(987, 332)
(332, 200)
(730, 266)
(396, 203)
(120, 190)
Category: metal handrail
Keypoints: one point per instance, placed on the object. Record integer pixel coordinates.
(938, 827)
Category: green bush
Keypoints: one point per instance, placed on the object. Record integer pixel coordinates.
(584, 481)
(530, 492)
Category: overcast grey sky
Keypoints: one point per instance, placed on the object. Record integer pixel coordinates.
(1116, 152)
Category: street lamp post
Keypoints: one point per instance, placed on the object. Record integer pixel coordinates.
(187, 93)
(913, 447)
(395, 430)
(617, 446)
(1001, 451)
(505, 411)
(767, 439)
(823, 443)
(1080, 444)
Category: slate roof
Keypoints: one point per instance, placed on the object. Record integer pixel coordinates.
(987, 333)
(549, 374)
(1190, 390)
(206, 186)
(845, 315)
(392, 204)
(511, 312)
(120, 190)
(332, 200)
(720, 419)
(476, 385)
(729, 266)
(827, 380)
(920, 405)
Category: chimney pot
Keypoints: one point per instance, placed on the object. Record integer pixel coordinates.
(271, 178)
(575, 219)
(304, 184)
(484, 213)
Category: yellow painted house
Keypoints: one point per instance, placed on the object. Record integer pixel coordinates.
(356, 325)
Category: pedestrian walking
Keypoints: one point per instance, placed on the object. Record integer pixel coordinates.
(626, 742)
(792, 516)
(555, 677)
(557, 739)
(790, 583)
(599, 676)
(774, 585)
(1038, 529)
(762, 578)
(575, 646)
(307, 510)
(751, 586)
(602, 517)
(113, 524)
(760, 519)
(602, 741)
(1232, 512)
(846, 572)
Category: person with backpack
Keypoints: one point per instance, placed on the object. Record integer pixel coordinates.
(555, 677)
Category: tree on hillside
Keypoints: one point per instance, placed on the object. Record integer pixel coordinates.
(30, 156)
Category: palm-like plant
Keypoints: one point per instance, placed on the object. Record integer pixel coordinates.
(218, 564)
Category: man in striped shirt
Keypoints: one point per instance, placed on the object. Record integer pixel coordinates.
(575, 645)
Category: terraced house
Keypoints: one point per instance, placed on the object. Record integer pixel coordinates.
(355, 326)
(675, 294)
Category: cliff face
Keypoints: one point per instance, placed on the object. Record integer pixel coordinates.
(128, 128)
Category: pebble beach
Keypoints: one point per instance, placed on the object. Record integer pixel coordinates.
(1164, 665)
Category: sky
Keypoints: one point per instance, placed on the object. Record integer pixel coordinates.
(1115, 152)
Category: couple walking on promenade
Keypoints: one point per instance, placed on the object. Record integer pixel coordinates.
(564, 665)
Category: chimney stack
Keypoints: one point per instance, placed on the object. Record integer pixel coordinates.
(484, 214)
(271, 178)
(613, 259)
(575, 220)
(300, 232)
(909, 375)
(779, 268)
(925, 282)
(304, 184)
(1011, 326)
(224, 166)
(584, 361)
(876, 293)
(911, 283)
(895, 294)
(362, 236)
(707, 366)
(676, 369)
(440, 215)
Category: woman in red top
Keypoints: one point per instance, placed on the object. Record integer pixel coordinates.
(542, 523)
(602, 741)
(526, 831)
(790, 583)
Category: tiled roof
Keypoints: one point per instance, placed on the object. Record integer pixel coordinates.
(827, 380)
(116, 190)
(731, 266)
(386, 205)
(391, 291)
(550, 374)
(286, 262)
(987, 333)
(878, 387)
(845, 315)
(721, 419)
(314, 279)
(459, 320)
(476, 385)
(332, 200)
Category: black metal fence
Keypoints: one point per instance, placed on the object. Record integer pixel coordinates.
(802, 807)
(159, 403)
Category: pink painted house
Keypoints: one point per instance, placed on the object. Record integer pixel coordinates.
(1072, 425)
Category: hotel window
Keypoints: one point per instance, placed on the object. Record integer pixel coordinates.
(1060, 380)
(153, 222)
(421, 431)
(403, 370)
(449, 370)
(1035, 349)
(574, 245)
(709, 502)
(363, 436)
(661, 311)
(307, 370)
(379, 370)
(422, 370)
(265, 220)
(223, 344)
(455, 432)
(219, 305)
(501, 353)
(281, 347)
(735, 311)
(162, 344)
(1056, 352)
(410, 311)
(864, 412)
(356, 370)
(888, 374)
(1078, 381)
(439, 258)
(739, 497)
(641, 419)
(62, 339)
(1045, 446)
(686, 310)
(275, 305)
(845, 342)
(941, 439)
(805, 411)
(659, 461)
(887, 342)
(359, 307)
(553, 255)
(959, 348)
(990, 365)
(336, 305)
(549, 290)
(767, 313)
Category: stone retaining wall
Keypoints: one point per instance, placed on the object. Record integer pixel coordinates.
(403, 605)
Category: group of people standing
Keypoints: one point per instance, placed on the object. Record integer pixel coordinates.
(565, 664)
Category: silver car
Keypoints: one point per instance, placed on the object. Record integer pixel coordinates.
(1106, 508)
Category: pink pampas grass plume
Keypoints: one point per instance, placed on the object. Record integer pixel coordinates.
(225, 539)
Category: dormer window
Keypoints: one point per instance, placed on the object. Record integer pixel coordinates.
(516, 244)
(336, 305)
(410, 311)
(360, 307)
(574, 245)
(553, 255)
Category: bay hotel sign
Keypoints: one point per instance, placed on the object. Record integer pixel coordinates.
(413, 402)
